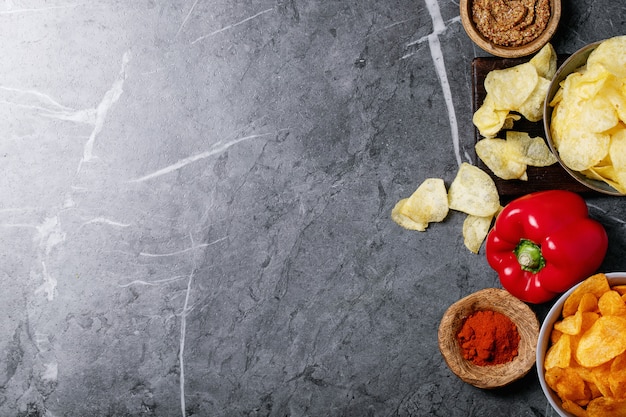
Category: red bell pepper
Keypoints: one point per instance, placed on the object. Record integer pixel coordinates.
(544, 243)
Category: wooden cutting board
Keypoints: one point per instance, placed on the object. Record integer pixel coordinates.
(539, 178)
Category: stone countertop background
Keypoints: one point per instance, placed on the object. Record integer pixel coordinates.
(195, 207)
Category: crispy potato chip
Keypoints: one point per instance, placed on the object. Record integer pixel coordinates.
(475, 230)
(559, 354)
(575, 409)
(571, 324)
(606, 407)
(532, 108)
(596, 284)
(531, 151)
(602, 342)
(611, 304)
(545, 62)
(473, 192)
(582, 149)
(429, 203)
(511, 87)
(588, 302)
(621, 289)
(617, 377)
(610, 54)
(489, 120)
(496, 155)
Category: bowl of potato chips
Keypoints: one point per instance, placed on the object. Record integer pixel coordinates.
(584, 116)
(581, 350)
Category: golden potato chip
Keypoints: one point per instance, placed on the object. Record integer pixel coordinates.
(588, 302)
(475, 230)
(571, 387)
(571, 324)
(496, 155)
(617, 377)
(610, 54)
(575, 409)
(600, 375)
(531, 151)
(596, 284)
(559, 354)
(606, 407)
(602, 342)
(582, 149)
(532, 107)
(429, 203)
(621, 289)
(511, 87)
(545, 62)
(611, 304)
(489, 120)
(473, 192)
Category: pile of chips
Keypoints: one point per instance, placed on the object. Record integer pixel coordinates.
(588, 122)
(586, 362)
(472, 192)
(513, 93)
(521, 89)
(508, 158)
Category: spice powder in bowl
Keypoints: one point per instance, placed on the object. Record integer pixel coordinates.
(489, 338)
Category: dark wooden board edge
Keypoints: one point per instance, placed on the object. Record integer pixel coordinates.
(539, 178)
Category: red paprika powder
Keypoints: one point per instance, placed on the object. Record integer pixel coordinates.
(488, 338)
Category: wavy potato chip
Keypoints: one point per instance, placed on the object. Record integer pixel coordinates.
(475, 230)
(497, 155)
(473, 192)
(429, 203)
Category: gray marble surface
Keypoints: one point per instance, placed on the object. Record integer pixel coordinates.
(195, 207)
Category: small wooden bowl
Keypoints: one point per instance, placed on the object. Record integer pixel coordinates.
(490, 376)
(505, 51)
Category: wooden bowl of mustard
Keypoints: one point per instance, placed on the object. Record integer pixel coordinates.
(476, 369)
(510, 29)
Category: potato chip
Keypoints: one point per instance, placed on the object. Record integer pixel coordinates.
(475, 230)
(571, 324)
(602, 342)
(532, 107)
(606, 407)
(429, 203)
(497, 156)
(511, 87)
(611, 304)
(617, 377)
(490, 121)
(582, 149)
(610, 54)
(596, 284)
(588, 303)
(545, 62)
(575, 409)
(559, 354)
(531, 151)
(621, 289)
(473, 192)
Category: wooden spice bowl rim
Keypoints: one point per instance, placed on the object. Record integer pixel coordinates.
(490, 376)
(506, 51)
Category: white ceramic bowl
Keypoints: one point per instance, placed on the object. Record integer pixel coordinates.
(615, 278)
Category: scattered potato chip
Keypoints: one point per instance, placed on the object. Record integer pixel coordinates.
(429, 203)
(545, 62)
(473, 192)
(589, 115)
(475, 230)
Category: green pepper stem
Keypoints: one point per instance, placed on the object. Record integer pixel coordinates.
(529, 256)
